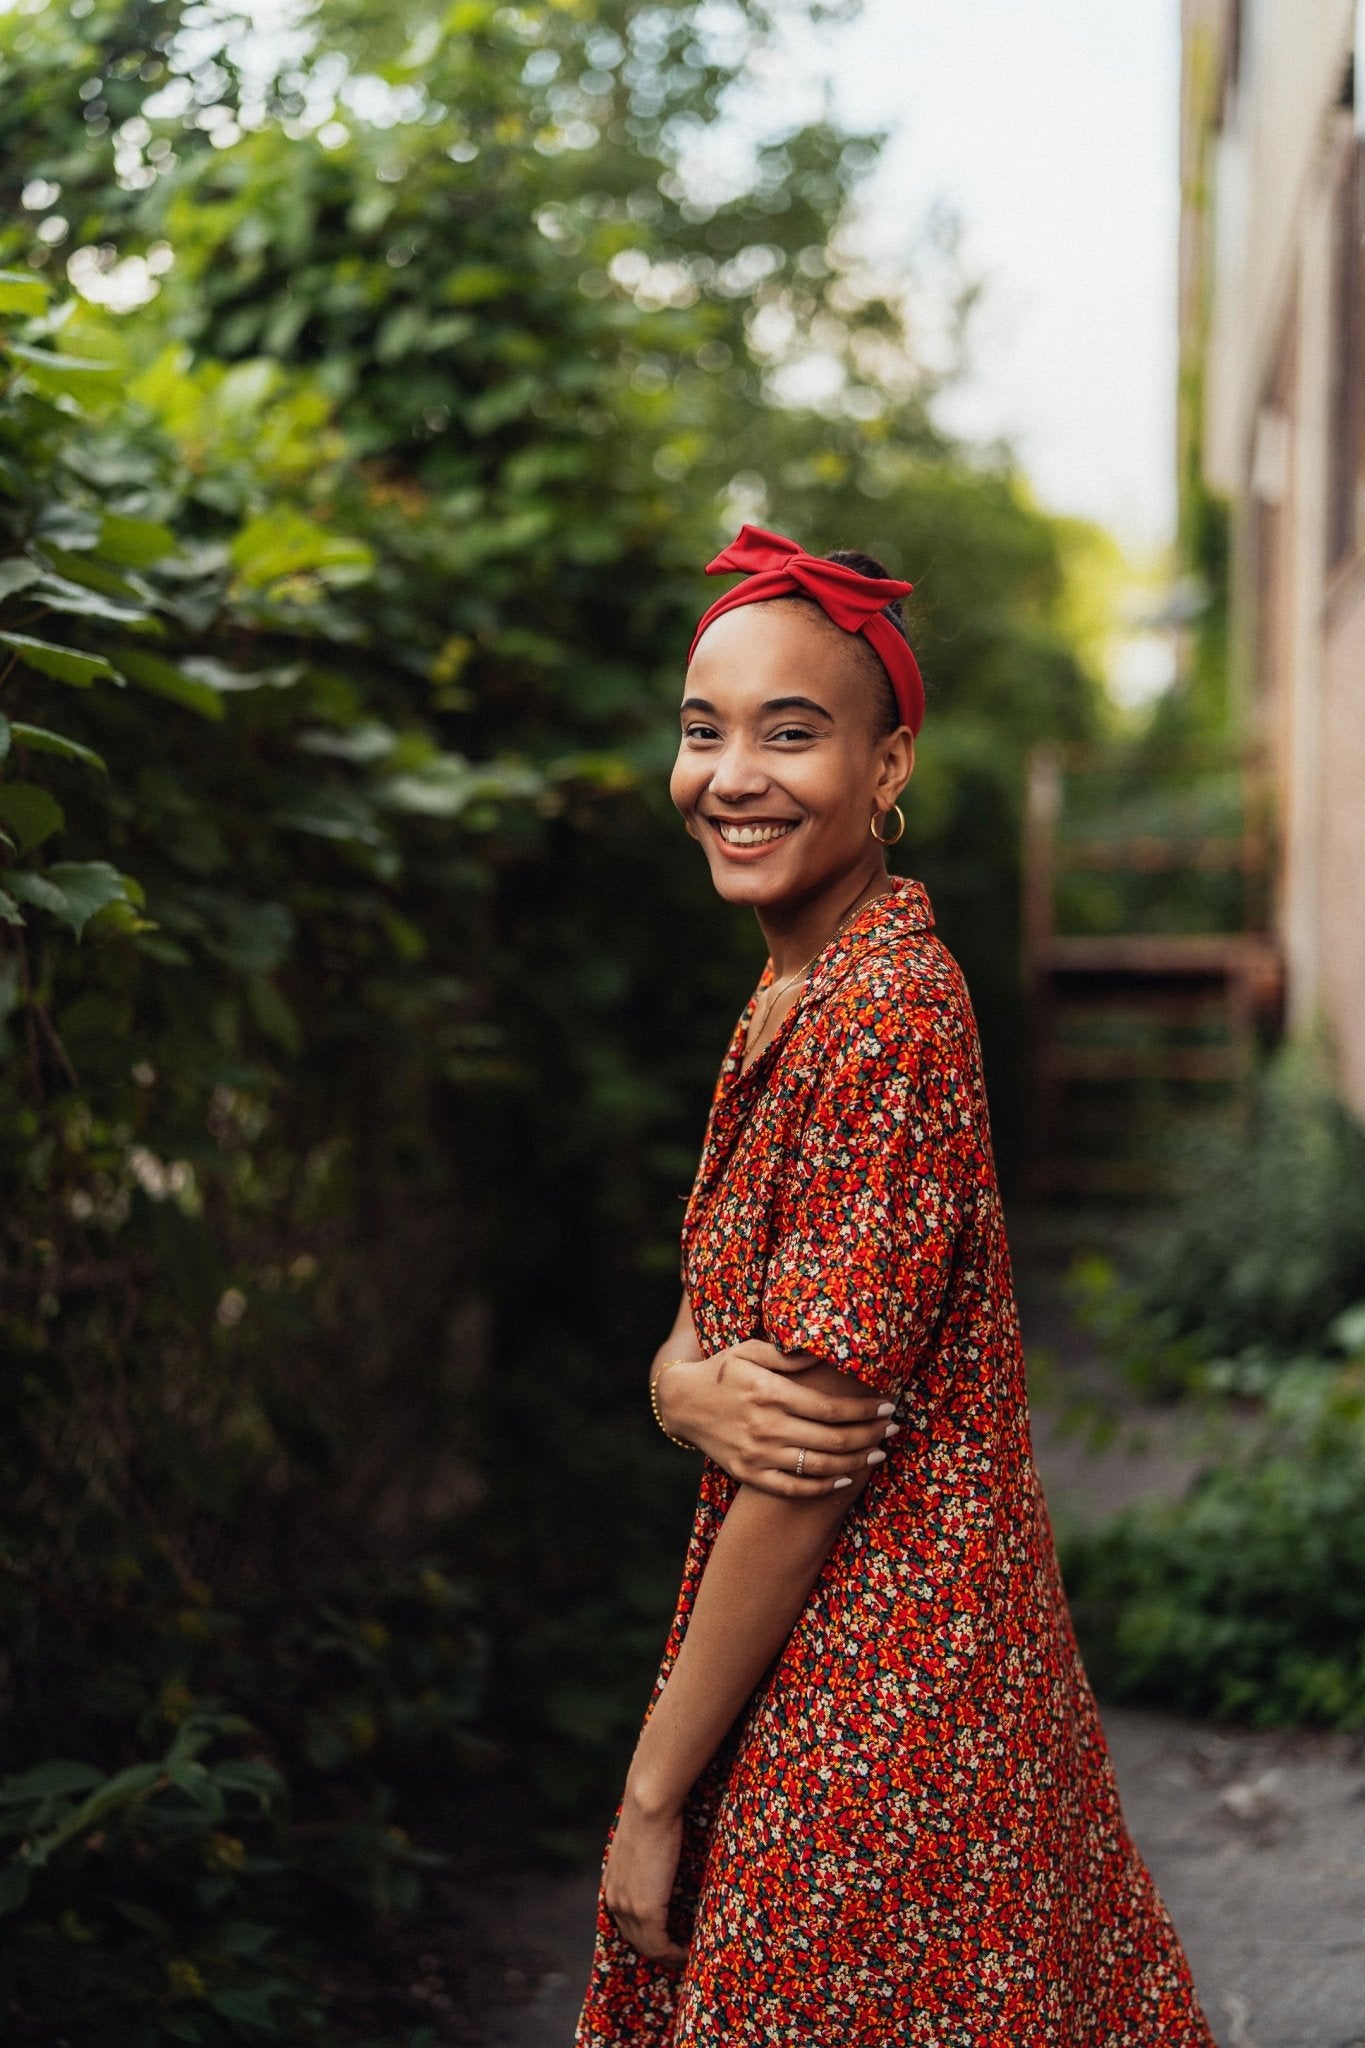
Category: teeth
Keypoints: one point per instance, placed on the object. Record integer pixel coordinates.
(753, 835)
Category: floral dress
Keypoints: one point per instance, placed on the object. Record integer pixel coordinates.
(912, 1835)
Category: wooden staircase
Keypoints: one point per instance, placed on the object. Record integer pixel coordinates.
(1134, 1027)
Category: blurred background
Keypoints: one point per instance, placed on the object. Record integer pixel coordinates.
(376, 379)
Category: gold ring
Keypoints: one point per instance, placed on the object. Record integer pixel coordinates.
(800, 1463)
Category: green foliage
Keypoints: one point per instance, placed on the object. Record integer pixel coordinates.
(1244, 1601)
(1264, 1254)
(196, 1890)
(362, 999)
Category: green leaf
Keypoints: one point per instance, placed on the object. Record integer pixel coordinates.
(73, 890)
(81, 567)
(134, 543)
(77, 600)
(125, 1788)
(164, 679)
(64, 376)
(196, 1782)
(283, 543)
(86, 887)
(48, 1780)
(220, 677)
(36, 890)
(10, 913)
(6, 734)
(42, 741)
(64, 664)
(16, 573)
(31, 814)
(21, 292)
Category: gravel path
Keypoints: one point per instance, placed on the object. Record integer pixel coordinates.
(1257, 1843)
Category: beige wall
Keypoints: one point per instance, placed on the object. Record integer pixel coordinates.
(1342, 815)
(1266, 160)
(1264, 246)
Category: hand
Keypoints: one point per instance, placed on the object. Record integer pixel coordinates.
(749, 1409)
(641, 1867)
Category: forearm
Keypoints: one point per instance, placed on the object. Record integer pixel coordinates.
(766, 1557)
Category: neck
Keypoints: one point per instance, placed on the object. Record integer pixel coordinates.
(795, 932)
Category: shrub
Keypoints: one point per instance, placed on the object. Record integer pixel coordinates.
(1261, 1258)
(1244, 1601)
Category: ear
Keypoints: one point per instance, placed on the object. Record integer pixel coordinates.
(895, 763)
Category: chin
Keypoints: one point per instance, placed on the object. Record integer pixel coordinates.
(751, 886)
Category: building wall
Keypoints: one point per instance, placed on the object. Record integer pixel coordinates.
(1273, 134)
(1267, 159)
(1342, 964)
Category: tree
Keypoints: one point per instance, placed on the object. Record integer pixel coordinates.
(364, 1001)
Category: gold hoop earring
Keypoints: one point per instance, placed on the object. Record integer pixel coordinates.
(882, 838)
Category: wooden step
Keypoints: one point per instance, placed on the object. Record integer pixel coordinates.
(1145, 1063)
(1150, 856)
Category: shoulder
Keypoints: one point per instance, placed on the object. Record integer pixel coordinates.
(901, 1003)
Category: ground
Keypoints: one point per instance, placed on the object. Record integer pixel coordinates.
(1256, 1841)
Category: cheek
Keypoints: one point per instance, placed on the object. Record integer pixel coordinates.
(685, 784)
(829, 790)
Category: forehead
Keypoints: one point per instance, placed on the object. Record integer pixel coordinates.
(760, 650)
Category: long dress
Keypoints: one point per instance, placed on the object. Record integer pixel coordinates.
(912, 1837)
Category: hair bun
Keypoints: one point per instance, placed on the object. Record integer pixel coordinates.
(868, 565)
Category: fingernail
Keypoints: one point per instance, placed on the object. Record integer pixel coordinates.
(876, 1457)
(887, 1408)
(893, 1429)
(841, 1482)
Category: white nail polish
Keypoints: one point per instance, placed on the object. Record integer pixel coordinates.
(887, 1408)
(842, 1482)
(893, 1429)
(876, 1457)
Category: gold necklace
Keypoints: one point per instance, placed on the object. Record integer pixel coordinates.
(773, 993)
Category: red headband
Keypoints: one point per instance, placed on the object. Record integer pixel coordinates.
(776, 567)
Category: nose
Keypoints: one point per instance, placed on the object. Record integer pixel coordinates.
(736, 772)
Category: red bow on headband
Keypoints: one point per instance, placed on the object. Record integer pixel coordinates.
(774, 566)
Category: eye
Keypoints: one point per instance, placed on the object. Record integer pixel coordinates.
(793, 732)
(697, 730)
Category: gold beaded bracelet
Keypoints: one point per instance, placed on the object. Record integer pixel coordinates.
(680, 1441)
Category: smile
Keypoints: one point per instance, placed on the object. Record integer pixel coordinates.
(752, 835)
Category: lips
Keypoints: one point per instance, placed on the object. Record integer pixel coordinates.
(751, 833)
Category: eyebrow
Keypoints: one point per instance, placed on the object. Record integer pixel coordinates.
(773, 704)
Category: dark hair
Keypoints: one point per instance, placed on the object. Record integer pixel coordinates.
(888, 711)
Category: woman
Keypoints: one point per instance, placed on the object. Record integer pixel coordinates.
(871, 1803)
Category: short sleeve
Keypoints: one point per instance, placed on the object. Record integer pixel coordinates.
(872, 1206)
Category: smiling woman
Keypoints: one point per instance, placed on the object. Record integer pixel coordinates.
(872, 1800)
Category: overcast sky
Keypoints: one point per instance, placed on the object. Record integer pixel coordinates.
(1051, 126)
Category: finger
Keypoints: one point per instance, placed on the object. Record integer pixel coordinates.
(795, 1434)
(786, 1485)
(758, 1352)
(836, 1409)
(821, 1465)
(649, 1938)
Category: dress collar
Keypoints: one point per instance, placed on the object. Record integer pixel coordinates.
(903, 908)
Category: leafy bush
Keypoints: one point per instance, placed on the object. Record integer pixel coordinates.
(350, 508)
(1244, 1601)
(205, 1887)
(1260, 1259)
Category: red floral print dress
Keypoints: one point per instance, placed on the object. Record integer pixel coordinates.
(912, 1837)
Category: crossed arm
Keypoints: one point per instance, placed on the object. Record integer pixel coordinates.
(748, 1408)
